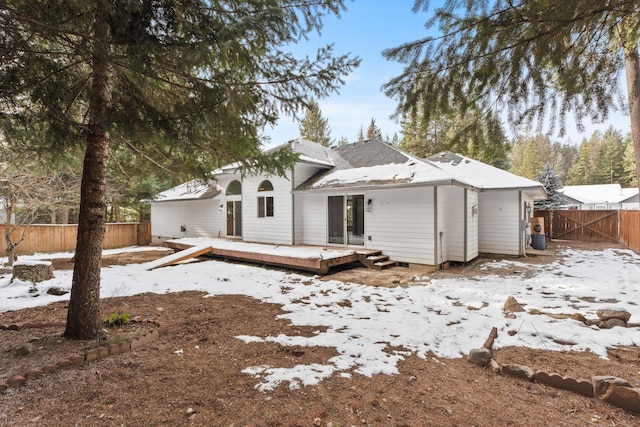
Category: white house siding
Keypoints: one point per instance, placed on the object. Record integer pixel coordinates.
(276, 229)
(457, 237)
(499, 222)
(401, 224)
(472, 225)
(301, 174)
(199, 218)
(312, 219)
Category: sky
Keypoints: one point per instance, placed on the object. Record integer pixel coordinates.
(428, 317)
(365, 30)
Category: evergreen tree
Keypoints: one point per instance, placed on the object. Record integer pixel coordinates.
(552, 185)
(473, 134)
(528, 155)
(314, 127)
(187, 85)
(342, 141)
(543, 59)
(361, 136)
(630, 177)
(373, 131)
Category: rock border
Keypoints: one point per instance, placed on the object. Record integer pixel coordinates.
(615, 391)
(80, 359)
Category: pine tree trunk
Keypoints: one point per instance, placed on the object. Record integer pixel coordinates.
(632, 69)
(83, 317)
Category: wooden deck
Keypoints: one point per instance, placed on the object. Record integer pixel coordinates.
(327, 257)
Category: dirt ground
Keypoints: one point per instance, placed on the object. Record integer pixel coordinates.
(203, 385)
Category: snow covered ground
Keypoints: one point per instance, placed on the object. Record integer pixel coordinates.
(445, 316)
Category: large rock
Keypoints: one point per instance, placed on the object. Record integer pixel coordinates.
(480, 356)
(613, 313)
(617, 392)
(32, 271)
(518, 371)
(512, 305)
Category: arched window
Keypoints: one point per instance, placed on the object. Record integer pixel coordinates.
(234, 188)
(265, 186)
(265, 203)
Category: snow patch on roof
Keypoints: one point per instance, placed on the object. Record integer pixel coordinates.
(194, 189)
(602, 193)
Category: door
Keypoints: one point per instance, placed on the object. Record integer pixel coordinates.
(336, 219)
(355, 219)
(234, 218)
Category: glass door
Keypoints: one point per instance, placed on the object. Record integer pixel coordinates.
(355, 219)
(336, 219)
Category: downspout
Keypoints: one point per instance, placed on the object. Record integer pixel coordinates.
(466, 220)
(293, 207)
(435, 225)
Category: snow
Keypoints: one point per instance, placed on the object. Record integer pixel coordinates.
(484, 176)
(602, 193)
(430, 318)
(307, 252)
(32, 262)
(412, 171)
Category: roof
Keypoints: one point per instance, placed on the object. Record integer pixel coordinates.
(601, 193)
(192, 190)
(374, 163)
(484, 176)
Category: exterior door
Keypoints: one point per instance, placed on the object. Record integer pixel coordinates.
(336, 219)
(234, 218)
(355, 219)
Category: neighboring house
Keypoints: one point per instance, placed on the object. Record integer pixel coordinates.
(366, 194)
(600, 197)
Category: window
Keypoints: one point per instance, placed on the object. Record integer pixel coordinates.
(265, 206)
(234, 188)
(265, 203)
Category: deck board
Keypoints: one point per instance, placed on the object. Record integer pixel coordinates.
(318, 264)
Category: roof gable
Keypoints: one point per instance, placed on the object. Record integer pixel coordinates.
(484, 176)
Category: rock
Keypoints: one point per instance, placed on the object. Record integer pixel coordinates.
(32, 271)
(480, 356)
(518, 371)
(56, 291)
(613, 322)
(25, 349)
(16, 381)
(495, 366)
(613, 313)
(617, 392)
(512, 305)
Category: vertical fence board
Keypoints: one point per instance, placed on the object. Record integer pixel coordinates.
(40, 238)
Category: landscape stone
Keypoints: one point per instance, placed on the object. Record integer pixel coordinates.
(33, 373)
(617, 392)
(582, 387)
(613, 313)
(63, 363)
(614, 321)
(56, 291)
(77, 360)
(518, 371)
(480, 356)
(3, 386)
(512, 305)
(495, 366)
(48, 369)
(16, 381)
(24, 349)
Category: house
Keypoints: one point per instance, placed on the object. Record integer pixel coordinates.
(600, 197)
(368, 195)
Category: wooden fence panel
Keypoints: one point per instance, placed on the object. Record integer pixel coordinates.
(630, 229)
(62, 238)
(594, 226)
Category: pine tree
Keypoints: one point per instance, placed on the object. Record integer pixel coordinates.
(630, 177)
(546, 60)
(184, 85)
(314, 127)
(527, 156)
(552, 185)
(373, 131)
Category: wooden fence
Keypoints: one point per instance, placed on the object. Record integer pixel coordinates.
(596, 226)
(62, 238)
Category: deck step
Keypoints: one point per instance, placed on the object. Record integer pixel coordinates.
(385, 264)
(377, 258)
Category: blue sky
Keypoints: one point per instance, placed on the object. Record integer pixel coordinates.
(365, 30)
